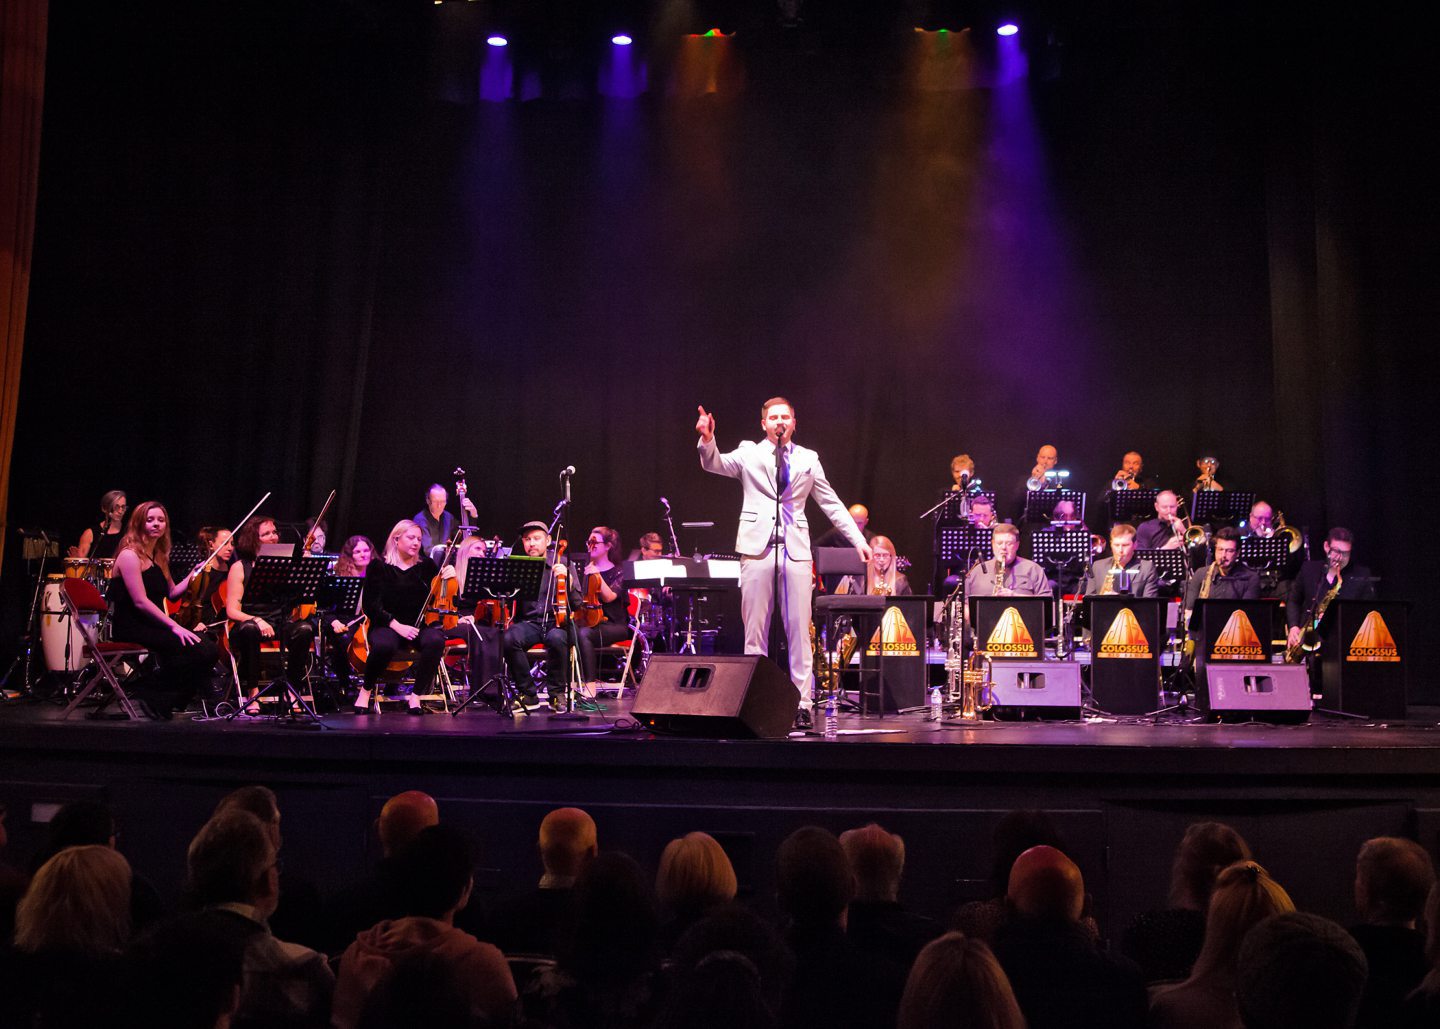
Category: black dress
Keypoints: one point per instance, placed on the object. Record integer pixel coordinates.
(399, 594)
(181, 669)
(104, 544)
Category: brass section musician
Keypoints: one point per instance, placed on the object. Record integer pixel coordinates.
(1227, 577)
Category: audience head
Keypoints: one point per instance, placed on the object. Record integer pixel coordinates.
(403, 817)
(1015, 833)
(232, 860)
(444, 859)
(735, 929)
(78, 824)
(261, 802)
(956, 981)
(1299, 971)
(1393, 876)
(722, 990)
(1243, 897)
(1206, 848)
(617, 928)
(1045, 885)
(813, 877)
(186, 973)
(567, 841)
(77, 903)
(695, 875)
(877, 859)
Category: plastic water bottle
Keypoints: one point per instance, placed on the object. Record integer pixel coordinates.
(937, 705)
(832, 723)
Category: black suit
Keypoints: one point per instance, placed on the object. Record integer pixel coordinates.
(1241, 584)
(1310, 582)
(1137, 578)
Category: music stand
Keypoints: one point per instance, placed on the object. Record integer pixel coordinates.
(947, 507)
(962, 542)
(1039, 503)
(339, 594)
(185, 555)
(1228, 507)
(1264, 553)
(1131, 505)
(514, 580)
(1169, 564)
(282, 581)
(1060, 547)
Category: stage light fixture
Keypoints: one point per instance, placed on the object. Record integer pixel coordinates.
(495, 39)
(1008, 29)
(621, 39)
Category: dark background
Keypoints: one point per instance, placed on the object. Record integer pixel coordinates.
(289, 247)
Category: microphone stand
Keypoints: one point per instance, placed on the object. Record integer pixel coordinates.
(670, 523)
(572, 631)
(777, 544)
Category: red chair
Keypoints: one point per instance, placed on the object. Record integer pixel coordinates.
(82, 598)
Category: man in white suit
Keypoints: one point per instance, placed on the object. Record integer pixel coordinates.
(777, 467)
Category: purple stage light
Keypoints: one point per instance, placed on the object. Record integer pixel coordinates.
(1008, 29)
(621, 39)
(497, 40)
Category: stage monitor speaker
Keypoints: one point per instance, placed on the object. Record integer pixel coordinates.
(1035, 689)
(723, 697)
(1260, 692)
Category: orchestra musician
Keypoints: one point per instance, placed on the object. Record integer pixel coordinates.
(1164, 531)
(356, 553)
(1318, 577)
(1229, 577)
(533, 624)
(1046, 458)
(777, 477)
(1132, 470)
(102, 541)
(217, 541)
(251, 623)
(1063, 516)
(396, 591)
(1208, 466)
(317, 533)
(437, 525)
(1123, 572)
(602, 547)
(962, 470)
(1017, 576)
(833, 537)
(882, 576)
(183, 660)
(483, 629)
(982, 512)
(650, 547)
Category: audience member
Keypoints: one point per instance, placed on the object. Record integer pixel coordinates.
(90, 823)
(71, 927)
(13, 882)
(298, 916)
(373, 899)
(1166, 943)
(538, 921)
(876, 922)
(694, 878)
(736, 929)
(1299, 971)
(186, 973)
(234, 877)
(1244, 895)
(836, 984)
(1059, 974)
(441, 862)
(956, 981)
(605, 973)
(1422, 1007)
(1393, 877)
(420, 989)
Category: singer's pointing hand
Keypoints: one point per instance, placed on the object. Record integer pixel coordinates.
(705, 425)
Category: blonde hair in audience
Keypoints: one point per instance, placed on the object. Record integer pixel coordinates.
(956, 981)
(78, 903)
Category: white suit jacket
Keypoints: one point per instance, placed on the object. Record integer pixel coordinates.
(754, 465)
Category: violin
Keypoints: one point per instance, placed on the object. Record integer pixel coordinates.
(562, 587)
(591, 611)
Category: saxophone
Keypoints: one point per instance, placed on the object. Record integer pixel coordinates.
(1310, 638)
(969, 679)
(1108, 586)
(999, 579)
(1189, 648)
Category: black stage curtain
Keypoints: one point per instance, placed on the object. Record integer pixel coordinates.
(278, 249)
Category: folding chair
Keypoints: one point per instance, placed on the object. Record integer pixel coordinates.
(82, 598)
(625, 649)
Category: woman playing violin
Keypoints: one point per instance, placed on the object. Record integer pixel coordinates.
(396, 593)
(604, 584)
(103, 540)
(354, 560)
(251, 624)
(183, 659)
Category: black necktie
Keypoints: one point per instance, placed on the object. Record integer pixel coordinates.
(782, 477)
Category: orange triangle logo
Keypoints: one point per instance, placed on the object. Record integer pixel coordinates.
(1125, 638)
(1238, 641)
(894, 635)
(1373, 642)
(1010, 637)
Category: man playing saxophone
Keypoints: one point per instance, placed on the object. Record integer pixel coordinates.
(1317, 578)
(1009, 574)
(1122, 572)
(1225, 578)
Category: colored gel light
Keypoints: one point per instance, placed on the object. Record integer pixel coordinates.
(1008, 29)
(621, 40)
(498, 41)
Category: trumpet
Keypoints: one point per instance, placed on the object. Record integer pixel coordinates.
(1036, 481)
(1208, 467)
(1123, 480)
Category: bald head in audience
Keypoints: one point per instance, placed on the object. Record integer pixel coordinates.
(403, 818)
(1046, 885)
(567, 841)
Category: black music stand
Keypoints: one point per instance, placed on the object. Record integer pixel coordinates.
(947, 507)
(956, 548)
(1265, 553)
(283, 582)
(1221, 507)
(1061, 547)
(1039, 503)
(339, 595)
(185, 555)
(1169, 565)
(1131, 505)
(515, 580)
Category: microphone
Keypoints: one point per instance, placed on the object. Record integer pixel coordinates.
(666, 503)
(567, 471)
